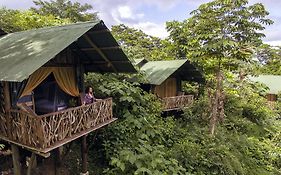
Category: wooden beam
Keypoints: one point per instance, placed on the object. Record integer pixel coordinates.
(101, 48)
(58, 65)
(99, 51)
(77, 51)
(103, 62)
(99, 31)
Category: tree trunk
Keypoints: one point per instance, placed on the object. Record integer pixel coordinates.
(217, 107)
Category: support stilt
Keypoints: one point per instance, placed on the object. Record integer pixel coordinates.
(15, 149)
(84, 153)
(16, 160)
(58, 159)
(32, 164)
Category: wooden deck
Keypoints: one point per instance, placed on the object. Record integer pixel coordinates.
(177, 102)
(46, 132)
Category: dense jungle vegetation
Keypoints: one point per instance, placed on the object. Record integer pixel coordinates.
(230, 129)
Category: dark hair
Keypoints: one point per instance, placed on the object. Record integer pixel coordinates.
(88, 89)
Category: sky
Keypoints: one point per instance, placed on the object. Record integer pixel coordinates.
(151, 15)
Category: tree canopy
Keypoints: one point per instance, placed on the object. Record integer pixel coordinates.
(222, 37)
(65, 9)
(15, 20)
(137, 44)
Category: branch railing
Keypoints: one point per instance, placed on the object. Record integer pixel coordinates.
(43, 131)
(177, 102)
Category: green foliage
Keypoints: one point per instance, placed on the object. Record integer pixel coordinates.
(65, 9)
(221, 34)
(45, 14)
(137, 44)
(270, 59)
(190, 87)
(145, 159)
(141, 142)
(138, 134)
(248, 141)
(15, 20)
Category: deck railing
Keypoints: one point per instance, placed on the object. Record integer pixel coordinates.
(46, 132)
(177, 102)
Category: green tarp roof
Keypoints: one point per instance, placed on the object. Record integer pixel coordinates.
(22, 53)
(273, 82)
(158, 71)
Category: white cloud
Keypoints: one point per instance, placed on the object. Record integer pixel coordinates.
(125, 12)
(274, 43)
(153, 29)
(128, 12)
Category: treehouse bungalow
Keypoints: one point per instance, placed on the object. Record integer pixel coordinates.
(41, 78)
(273, 82)
(164, 78)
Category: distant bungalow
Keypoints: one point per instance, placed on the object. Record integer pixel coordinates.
(41, 83)
(273, 82)
(164, 79)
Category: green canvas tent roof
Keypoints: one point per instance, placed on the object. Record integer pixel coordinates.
(24, 52)
(273, 82)
(158, 71)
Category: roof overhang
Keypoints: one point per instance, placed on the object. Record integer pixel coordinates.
(273, 82)
(158, 71)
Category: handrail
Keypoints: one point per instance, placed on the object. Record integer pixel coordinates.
(176, 102)
(73, 108)
(45, 131)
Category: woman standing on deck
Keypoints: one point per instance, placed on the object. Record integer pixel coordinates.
(89, 97)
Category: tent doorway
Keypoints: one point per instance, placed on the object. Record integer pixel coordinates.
(49, 97)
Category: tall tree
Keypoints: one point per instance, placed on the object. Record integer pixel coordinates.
(270, 59)
(220, 35)
(15, 20)
(65, 9)
(138, 44)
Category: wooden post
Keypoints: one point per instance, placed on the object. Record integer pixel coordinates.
(7, 105)
(58, 159)
(84, 153)
(16, 160)
(31, 164)
(15, 149)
